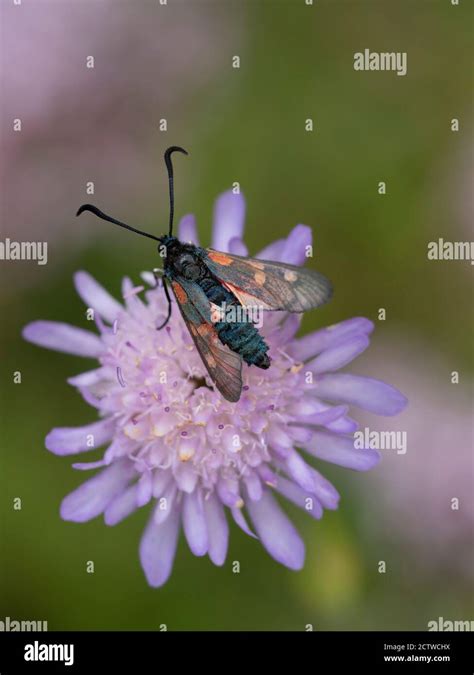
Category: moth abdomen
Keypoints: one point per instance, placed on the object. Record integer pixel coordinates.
(244, 339)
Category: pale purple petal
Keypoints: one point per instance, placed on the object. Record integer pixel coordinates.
(217, 529)
(305, 500)
(90, 377)
(237, 247)
(228, 495)
(194, 523)
(93, 496)
(144, 488)
(323, 418)
(340, 450)
(308, 346)
(69, 440)
(158, 549)
(90, 398)
(187, 230)
(273, 251)
(364, 392)
(95, 296)
(325, 491)
(294, 252)
(254, 485)
(229, 218)
(276, 532)
(239, 518)
(165, 504)
(338, 356)
(299, 471)
(121, 506)
(322, 489)
(285, 332)
(161, 479)
(343, 425)
(268, 476)
(300, 434)
(63, 338)
(88, 466)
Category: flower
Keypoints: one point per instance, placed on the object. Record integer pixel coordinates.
(176, 442)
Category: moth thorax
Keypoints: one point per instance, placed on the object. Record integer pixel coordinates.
(189, 267)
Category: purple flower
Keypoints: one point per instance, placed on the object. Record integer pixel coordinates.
(176, 442)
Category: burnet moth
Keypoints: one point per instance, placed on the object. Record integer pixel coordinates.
(204, 281)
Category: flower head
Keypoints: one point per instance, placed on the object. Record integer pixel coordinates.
(173, 440)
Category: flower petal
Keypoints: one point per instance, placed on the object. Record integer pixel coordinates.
(95, 296)
(69, 440)
(165, 504)
(323, 418)
(240, 520)
(340, 450)
(325, 491)
(217, 529)
(273, 251)
(294, 252)
(88, 466)
(343, 425)
(299, 471)
(144, 488)
(305, 500)
(237, 247)
(229, 218)
(121, 506)
(364, 392)
(308, 346)
(93, 496)
(90, 377)
(276, 532)
(187, 230)
(254, 485)
(158, 549)
(194, 523)
(285, 331)
(338, 356)
(63, 338)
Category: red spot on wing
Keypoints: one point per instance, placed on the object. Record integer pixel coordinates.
(179, 292)
(220, 258)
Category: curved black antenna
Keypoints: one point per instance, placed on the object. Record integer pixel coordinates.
(97, 212)
(169, 166)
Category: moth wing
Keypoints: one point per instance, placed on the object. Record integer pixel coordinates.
(271, 285)
(223, 365)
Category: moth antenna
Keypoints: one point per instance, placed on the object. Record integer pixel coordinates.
(100, 214)
(169, 166)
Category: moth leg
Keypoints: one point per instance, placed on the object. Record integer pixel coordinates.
(165, 286)
(158, 274)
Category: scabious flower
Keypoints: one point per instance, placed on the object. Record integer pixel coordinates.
(174, 441)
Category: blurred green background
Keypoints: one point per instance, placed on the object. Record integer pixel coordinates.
(246, 125)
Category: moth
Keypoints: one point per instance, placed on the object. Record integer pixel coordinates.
(204, 281)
